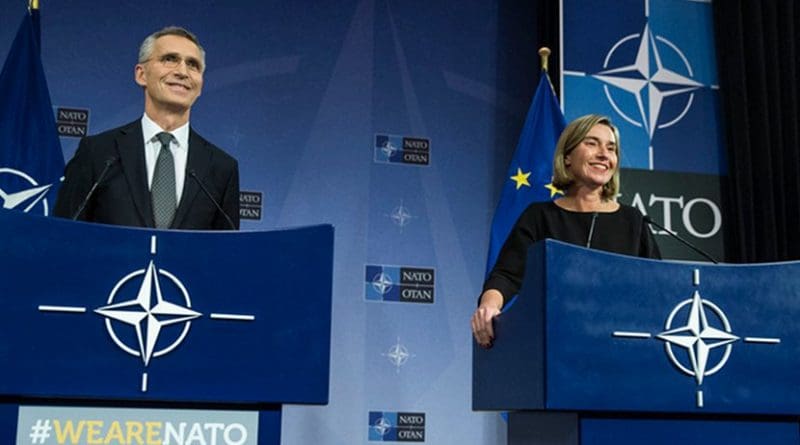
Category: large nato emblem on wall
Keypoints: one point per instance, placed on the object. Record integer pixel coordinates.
(652, 70)
(142, 307)
(694, 330)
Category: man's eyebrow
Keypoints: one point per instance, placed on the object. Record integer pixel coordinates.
(194, 60)
(176, 54)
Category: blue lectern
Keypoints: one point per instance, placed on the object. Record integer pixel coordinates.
(602, 348)
(179, 330)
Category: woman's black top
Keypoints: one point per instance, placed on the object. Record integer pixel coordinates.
(623, 231)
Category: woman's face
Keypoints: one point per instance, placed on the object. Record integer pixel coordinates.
(594, 161)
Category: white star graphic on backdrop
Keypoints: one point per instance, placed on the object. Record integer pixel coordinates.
(398, 355)
(148, 313)
(401, 216)
(649, 84)
(697, 337)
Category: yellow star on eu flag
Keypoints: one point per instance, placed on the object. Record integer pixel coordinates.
(553, 189)
(521, 178)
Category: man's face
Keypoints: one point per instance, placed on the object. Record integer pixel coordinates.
(173, 75)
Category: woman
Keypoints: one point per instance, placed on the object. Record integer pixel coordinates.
(586, 167)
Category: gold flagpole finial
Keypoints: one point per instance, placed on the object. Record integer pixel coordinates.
(33, 4)
(544, 54)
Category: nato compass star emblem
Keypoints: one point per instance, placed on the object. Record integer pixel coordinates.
(398, 355)
(382, 283)
(388, 149)
(658, 72)
(696, 327)
(27, 198)
(148, 312)
(648, 80)
(382, 426)
(401, 216)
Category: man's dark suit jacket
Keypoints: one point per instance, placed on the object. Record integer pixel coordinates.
(123, 197)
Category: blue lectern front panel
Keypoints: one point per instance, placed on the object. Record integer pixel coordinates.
(626, 334)
(92, 311)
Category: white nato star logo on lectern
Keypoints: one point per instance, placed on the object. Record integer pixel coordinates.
(148, 313)
(27, 198)
(697, 336)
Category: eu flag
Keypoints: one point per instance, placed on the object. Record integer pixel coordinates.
(31, 161)
(530, 173)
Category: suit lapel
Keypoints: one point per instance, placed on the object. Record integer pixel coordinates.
(199, 162)
(130, 146)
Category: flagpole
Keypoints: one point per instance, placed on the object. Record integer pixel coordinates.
(33, 5)
(544, 58)
(544, 55)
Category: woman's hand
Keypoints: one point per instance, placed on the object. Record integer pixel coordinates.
(483, 318)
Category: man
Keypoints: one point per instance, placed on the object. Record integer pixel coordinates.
(156, 167)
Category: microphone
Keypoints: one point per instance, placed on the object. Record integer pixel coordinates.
(109, 162)
(208, 194)
(649, 220)
(591, 230)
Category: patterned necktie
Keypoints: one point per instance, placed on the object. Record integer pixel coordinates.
(162, 191)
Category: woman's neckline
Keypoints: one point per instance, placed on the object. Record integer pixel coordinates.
(610, 210)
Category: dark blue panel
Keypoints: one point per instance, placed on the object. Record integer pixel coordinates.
(671, 432)
(282, 279)
(511, 375)
(8, 422)
(269, 426)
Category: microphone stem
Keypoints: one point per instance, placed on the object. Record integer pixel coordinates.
(591, 230)
(100, 178)
(649, 220)
(214, 201)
